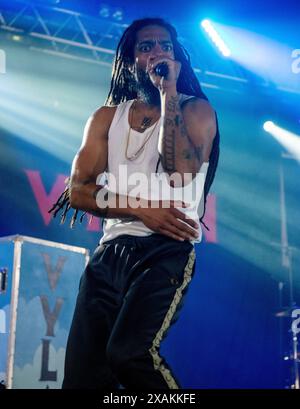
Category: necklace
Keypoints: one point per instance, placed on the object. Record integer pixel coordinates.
(146, 121)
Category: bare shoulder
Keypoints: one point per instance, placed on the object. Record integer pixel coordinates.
(103, 115)
(200, 119)
(201, 108)
(97, 126)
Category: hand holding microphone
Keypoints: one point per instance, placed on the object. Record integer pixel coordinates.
(162, 70)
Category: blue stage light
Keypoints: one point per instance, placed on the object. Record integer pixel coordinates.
(215, 37)
(289, 140)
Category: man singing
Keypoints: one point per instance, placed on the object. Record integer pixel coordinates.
(156, 121)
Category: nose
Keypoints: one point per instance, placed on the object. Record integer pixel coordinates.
(157, 50)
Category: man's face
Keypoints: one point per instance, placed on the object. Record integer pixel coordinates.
(152, 42)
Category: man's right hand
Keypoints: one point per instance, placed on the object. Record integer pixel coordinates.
(167, 221)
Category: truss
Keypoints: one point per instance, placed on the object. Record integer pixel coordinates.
(74, 35)
(62, 32)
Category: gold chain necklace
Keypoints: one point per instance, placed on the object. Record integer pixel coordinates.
(140, 150)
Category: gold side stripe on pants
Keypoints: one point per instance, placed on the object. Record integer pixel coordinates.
(157, 360)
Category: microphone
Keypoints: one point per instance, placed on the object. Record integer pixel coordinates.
(162, 69)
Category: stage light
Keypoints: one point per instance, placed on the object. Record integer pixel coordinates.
(117, 15)
(268, 126)
(289, 140)
(15, 37)
(104, 11)
(215, 37)
(264, 56)
(44, 2)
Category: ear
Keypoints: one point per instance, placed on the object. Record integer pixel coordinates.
(131, 68)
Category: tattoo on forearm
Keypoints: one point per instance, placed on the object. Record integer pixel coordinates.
(177, 120)
(172, 104)
(187, 154)
(169, 122)
(174, 127)
(173, 120)
(169, 152)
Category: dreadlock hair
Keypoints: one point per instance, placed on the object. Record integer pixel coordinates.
(123, 85)
(123, 88)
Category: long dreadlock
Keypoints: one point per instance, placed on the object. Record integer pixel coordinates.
(123, 88)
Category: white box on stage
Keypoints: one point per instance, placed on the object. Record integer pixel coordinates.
(38, 288)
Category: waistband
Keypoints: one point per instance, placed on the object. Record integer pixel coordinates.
(143, 240)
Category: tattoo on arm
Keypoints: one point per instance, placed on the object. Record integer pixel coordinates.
(169, 156)
(172, 104)
(179, 151)
(177, 120)
(172, 121)
(169, 122)
(187, 154)
(196, 152)
(174, 125)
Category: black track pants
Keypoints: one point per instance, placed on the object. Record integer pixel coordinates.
(129, 295)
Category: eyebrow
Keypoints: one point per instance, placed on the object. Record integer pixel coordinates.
(154, 41)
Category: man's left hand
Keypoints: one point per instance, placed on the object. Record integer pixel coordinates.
(162, 83)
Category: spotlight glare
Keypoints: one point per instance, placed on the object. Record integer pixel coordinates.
(215, 37)
(289, 140)
(269, 126)
(16, 37)
(205, 23)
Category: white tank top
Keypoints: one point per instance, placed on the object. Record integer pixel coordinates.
(129, 176)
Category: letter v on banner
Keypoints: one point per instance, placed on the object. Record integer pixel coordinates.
(45, 201)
